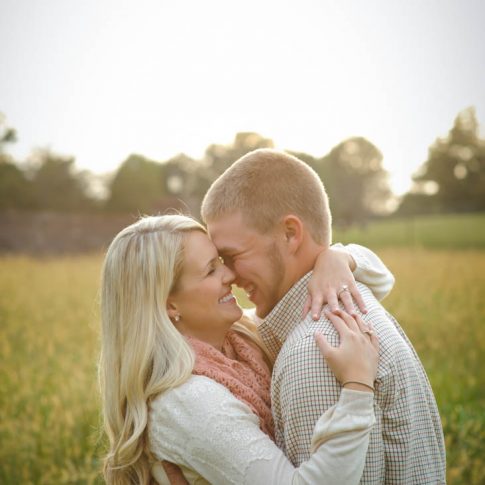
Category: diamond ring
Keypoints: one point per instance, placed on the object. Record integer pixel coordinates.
(343, 289)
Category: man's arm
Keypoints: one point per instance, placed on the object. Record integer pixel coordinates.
(411, 428)
(171, 474)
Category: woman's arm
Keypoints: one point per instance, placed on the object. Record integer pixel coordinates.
(335, 274)
(206, 429)
(203, 427)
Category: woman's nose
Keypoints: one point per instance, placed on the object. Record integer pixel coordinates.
(229, 276)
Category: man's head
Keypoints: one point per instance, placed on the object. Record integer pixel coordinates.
(268, 216)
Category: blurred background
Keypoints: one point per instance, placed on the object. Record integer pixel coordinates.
(113, 109)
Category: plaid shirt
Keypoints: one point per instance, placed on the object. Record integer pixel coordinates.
(406, 444)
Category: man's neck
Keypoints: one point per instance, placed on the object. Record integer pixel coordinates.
(306, 258)
(301, 263)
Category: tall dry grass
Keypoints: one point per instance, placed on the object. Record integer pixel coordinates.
(439, 299)
(49, 430)
(49, 424)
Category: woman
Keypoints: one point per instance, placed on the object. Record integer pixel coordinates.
(182, 382)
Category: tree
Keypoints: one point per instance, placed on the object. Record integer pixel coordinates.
(355, 181)
(184, 183)
(55, 184)
(48, 181)
(219, 157)
(315, 163)
(14, 187)
(138, 185)
(216, 160)
(453, 177)
(7, 134)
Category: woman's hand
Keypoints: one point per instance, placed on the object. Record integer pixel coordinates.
(356, 359)
(332, 279)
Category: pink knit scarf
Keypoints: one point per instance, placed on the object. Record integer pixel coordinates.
(241, 368)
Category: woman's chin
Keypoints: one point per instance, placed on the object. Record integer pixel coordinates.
(231, 309)
(240, 313)
(233, 315)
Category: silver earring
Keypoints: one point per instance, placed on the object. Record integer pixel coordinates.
(177, 318)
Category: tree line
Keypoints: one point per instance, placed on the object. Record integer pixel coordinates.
(452, 179)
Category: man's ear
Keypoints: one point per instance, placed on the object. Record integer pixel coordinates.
(293, 232)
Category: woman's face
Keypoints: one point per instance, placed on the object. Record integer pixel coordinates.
(203, 297)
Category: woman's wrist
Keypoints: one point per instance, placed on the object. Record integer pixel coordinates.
(358, 386)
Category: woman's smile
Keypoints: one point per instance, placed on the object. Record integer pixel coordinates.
(203, 298)
(228, 298)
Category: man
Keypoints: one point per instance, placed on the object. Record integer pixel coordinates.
(268, 216)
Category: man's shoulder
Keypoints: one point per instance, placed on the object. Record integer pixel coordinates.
(300, 347)
(299, 337)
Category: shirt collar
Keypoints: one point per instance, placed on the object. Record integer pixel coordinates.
(285, 316)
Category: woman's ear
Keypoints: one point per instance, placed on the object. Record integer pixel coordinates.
(293, 232)
(172, 310)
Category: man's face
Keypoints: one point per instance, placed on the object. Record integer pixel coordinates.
(255, 258)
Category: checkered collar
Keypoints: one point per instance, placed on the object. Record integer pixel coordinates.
(285, 316)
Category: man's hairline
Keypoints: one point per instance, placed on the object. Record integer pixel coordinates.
(247, 221)
(230, 213)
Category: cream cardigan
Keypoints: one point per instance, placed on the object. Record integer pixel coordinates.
(215, 438)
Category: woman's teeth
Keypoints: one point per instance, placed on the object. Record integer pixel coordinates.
(226, 298)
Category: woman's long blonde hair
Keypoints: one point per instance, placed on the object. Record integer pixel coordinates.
(142, 353)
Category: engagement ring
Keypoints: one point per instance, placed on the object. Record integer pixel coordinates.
(342, 289)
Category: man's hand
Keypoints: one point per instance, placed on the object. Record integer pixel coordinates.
(174, 473)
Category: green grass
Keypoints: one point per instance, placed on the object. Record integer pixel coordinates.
(49, 405)
(465, 231)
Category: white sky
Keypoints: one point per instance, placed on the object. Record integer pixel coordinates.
(100, 79)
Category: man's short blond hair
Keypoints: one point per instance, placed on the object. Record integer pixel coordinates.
(265, 185)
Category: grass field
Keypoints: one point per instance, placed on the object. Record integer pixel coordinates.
(464, 231)
(49, 421)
